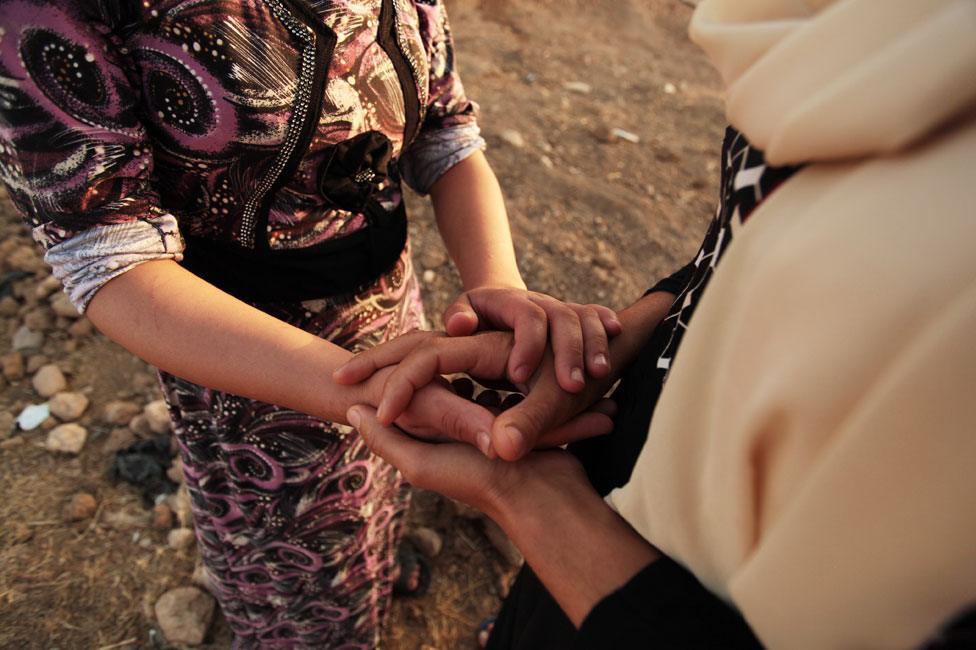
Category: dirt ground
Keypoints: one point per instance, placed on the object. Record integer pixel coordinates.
(595, 219)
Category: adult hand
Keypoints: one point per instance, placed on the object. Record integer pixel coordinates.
(577, 334)
(547, 417)
(459, 472)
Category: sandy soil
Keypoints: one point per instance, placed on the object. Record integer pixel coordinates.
(595, 219)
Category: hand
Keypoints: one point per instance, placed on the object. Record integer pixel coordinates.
(547, 417)
(459, 472)
(577, 334)
(436, 412)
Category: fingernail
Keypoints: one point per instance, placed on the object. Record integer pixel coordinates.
(521, 374)
(484, 443)
(576, 375)
(601, 360)
(515, 437)
(354, 417)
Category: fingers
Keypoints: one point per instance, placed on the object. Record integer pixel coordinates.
(595, 345)
(511, 309)
(460, 319)
(439, 411)
(566, 334)
(516, 431)
(598, 421)
(392, 446)
(611, 324)
(482, 355)
(362, 366)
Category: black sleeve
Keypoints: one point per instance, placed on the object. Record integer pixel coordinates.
(676, 282)
(664, 607)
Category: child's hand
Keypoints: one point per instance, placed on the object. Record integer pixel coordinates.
(546, 418)
(577, 334)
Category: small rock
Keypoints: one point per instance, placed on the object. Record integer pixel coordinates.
(69, 346)
(49, 380)
(201, 577)
(180, 539)
(49, 423)
(81, 328)
(13, 365)
(67, 438)
(426, 540)
(162, 517)
(32, 416)
(140, 426)
(118, 439)
(26, 339)
(62, 306)
(8, 424)
(9, 306)
(175, 472)
(546, 161)
(179, 501)
(621, 134)
(68, 406)
(120, 412)
(80, 506)
(670, 88)
(184, 615)
(10, 443)
(604, 256)
(429, 276)
(433, 258)
(512, 137)
(580, 87)
(47, 286)
(39, 320)
(35, 362)
(157, 415)
(25, 258)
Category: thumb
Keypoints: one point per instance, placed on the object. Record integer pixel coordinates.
(516, 431)
(460, 319)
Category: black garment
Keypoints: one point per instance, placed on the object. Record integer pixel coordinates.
(664, 605)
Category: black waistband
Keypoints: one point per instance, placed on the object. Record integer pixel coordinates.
(334, 267)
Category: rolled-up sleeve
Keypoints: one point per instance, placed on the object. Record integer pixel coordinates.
(74, 156)
(450, 131)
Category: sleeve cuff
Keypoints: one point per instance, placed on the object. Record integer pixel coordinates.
(435, 152)
(91, 258)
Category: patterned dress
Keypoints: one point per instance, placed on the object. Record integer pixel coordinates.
(137, 130)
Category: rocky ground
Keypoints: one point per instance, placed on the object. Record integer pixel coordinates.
(602, 122)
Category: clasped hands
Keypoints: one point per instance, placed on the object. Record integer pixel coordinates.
(557, 354)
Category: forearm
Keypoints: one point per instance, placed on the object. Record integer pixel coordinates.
(638, 322)
(605, 552)
(185, 326)
(473, 223)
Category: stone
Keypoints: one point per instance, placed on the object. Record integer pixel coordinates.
(184, 615)
(175, 472)
(180, 539)
(162, 517)
(13, 365)
(49, 380)
(68, 406)
(40, 319)
(49, 423)
(67, 438)
(25, 258)
(81, 328)
(118, 439)
(580, 87)
(47, 286)
(33, 416)
(512, 138)
(8, 424)
(179, 501)
(669, 88)
(140, 426)
(27, 339)
(426, 540)
(546, 161)
(120, 412)
(61, 305)
(429, 276)
(201, 577)
(9, 306)
(35, 362)
(157, 415)
(621, 134)
(80, 506)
